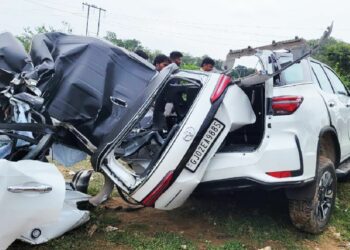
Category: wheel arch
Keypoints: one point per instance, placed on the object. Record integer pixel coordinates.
(326, 134)
(329, 134)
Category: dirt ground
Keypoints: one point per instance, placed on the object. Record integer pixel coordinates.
(187, 222)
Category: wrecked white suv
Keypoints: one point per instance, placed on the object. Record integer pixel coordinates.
(275, 118)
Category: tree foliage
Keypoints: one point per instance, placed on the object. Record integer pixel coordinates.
(129, 44)
(336, 54)
(189, 62)
(26, 37)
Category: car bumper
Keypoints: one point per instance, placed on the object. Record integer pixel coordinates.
(279, 152)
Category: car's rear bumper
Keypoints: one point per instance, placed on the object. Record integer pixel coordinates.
(279, 152)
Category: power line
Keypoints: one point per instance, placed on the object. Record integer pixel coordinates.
(88, 15)
(54, 8)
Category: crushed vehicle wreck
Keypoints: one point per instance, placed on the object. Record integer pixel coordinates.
(88, 95)
(157, 136)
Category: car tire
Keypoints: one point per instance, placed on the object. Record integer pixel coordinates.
(313, 215)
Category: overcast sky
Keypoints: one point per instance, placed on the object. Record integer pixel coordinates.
(195, 26)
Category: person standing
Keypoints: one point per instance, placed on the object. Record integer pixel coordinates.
(161, 61)
(207, 64)
(176, 57)
(142, 54)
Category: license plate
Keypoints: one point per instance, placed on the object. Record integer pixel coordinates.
(205, 144)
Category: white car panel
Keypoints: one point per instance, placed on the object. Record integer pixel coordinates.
(70, 217)
(179, 146)
(278, 150)
(234, 112)
(31, 193)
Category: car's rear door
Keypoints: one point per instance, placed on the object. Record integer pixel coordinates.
(213, 119)
(334, 104)
(191, 156)
(343, 100)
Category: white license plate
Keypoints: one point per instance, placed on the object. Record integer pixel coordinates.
(205, 144)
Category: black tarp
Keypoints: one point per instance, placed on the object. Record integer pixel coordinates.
(88, 74)
(13, 57)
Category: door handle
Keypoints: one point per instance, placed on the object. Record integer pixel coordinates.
(30, 188)
(331, 104)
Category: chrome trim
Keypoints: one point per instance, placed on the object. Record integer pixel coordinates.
(31, 188)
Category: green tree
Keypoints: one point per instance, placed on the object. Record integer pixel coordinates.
(190, 66)
(336, 54)
(129, 44)
(26, 37)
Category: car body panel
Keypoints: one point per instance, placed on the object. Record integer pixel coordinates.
(234, 112)
(23, 208)
(279, 149)
(133, 115)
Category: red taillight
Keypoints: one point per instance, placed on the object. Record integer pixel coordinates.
(158, 190)
(222, 84)
(281, 174)
(286, 105)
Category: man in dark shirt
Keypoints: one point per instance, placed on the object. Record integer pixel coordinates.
(142, 54)
(161, 61)
(176, 57)
(207, 64)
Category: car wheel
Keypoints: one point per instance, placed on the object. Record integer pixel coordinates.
(313, 215)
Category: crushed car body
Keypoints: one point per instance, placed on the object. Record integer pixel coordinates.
(88, 95)
(151, 134)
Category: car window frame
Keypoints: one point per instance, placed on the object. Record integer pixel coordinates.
(306, 76)
(336, 92)
(318, 81)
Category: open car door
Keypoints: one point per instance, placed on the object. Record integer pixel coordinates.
(160, 165)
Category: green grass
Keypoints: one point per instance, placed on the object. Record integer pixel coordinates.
(158, 241)
(256, 219)
(341, 215)
(230, 245)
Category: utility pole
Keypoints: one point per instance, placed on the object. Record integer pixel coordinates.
(99, 17)
(88, 14)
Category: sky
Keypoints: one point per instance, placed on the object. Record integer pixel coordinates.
(192, 26)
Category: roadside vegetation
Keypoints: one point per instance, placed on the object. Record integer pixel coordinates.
(335, 53)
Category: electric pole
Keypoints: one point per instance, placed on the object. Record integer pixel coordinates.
(88, 15)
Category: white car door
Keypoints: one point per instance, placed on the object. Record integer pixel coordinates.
(336, 107)
(343, 100)
(31, 194)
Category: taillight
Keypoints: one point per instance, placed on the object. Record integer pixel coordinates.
(286, 105)
(280, 174)
(222, 84)
(158, 190)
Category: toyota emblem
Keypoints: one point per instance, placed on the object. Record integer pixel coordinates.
(188, 133)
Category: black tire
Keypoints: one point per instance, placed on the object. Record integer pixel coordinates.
(313, 215)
